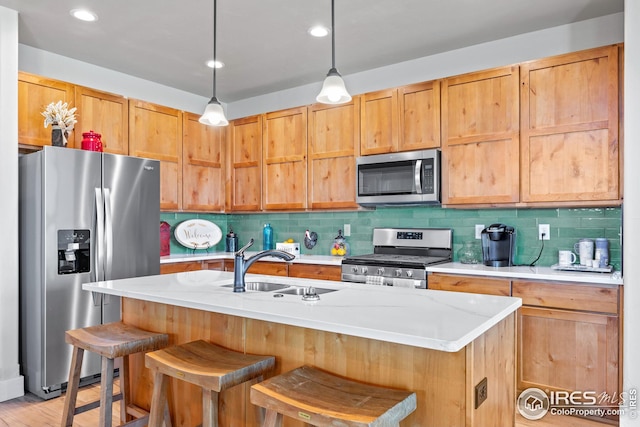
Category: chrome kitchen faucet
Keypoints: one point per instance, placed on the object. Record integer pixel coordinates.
(242, 265)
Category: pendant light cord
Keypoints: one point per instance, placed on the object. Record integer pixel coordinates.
(333, 38)
(215, 10)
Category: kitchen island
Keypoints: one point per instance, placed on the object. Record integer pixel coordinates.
(439, 344)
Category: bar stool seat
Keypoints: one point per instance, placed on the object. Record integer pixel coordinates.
(110, 341)
(204, 364)
(321, 399)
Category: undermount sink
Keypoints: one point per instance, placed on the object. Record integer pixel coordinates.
(298, 290)
(260, 286)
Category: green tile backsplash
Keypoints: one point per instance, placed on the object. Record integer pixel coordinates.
(567, 226)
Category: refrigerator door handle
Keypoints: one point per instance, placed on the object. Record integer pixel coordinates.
(98, 241)
(108, 238)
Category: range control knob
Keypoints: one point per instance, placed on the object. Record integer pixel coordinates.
(380, 271)
(398, 273)
(364, 270)
(409, 273)
(354, 269)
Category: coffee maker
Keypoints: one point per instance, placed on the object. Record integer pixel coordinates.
(498, 245)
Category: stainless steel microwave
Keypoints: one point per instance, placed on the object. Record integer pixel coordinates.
(409, 178)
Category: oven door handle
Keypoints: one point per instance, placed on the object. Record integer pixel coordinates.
(417, 176)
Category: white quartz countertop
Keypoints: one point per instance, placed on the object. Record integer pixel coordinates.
(439, 320)
(302, 259)
(526, 272)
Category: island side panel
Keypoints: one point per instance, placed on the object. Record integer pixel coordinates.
(441, 380)
(492, 356)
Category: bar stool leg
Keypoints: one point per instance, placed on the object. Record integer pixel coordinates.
(124, 390)
(159, 404)
(72, 387)
(272, 419)
(209, 408)
(106, 392)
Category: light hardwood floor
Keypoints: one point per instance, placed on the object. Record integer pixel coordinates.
(31, 411)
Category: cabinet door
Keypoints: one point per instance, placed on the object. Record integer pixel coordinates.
(471, 284)
(155, 132)
(245, 152)
(103, 113)
(203, 178)
(569, 131)
(34, 94)
(480, 137)
(567, 350)
(334, 138)
(419, 116)
(316, 271)
(284, 159)
(379, 122)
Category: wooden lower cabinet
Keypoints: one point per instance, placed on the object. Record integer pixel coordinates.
(316, 271)
(180, 267)
(443, 381)
(472, 284)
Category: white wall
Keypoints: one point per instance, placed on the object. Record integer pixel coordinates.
(538, 44)
(43, 63)
(631, 210)
(11, 383)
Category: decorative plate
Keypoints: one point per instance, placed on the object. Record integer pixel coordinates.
(197, 234)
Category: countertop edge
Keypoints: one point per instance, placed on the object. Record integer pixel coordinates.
(527, 272)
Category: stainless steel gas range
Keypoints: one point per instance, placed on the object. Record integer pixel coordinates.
(400, 256)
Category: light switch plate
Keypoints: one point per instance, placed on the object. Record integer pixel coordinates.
(347, 230)
(479, 228)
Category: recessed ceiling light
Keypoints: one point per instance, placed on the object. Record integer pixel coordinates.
(219, 64)
(84, 15)
(318, 31)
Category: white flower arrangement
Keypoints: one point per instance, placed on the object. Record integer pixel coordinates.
(59, 114)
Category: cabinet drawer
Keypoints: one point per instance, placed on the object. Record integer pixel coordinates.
(179, 267)
(471, 284)
(314, 271)
(569, 296)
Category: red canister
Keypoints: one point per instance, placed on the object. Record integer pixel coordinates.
(165, 238)
(91, 141)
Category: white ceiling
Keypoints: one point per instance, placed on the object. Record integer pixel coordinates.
(264, 43)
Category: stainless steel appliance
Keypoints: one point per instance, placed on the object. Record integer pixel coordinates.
(400, 256)
(84, 216)
(400, 178)
(498, 245)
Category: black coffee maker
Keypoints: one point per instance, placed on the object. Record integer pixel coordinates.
(498, 245)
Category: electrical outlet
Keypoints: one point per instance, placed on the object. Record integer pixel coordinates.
(481, 392)
(479, 228)
(544, 229)
(347, 230)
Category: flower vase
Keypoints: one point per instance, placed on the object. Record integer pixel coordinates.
(57, 139)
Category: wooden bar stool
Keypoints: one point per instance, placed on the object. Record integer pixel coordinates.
(110, 341)
(207, 365)
(325, 400)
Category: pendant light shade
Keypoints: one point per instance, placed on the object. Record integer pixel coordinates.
(333, 89)
(214, 113)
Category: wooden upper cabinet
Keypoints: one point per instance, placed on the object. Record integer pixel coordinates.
(480, 137)
(333, 144)
(419, 116)
(34, 94)
(155, 132)
(103, 113)
(569, 127)
(284, 159)
(245, 164)
(379, 122)
(203, 179)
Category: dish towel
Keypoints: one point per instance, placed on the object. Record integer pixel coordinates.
(405, 283)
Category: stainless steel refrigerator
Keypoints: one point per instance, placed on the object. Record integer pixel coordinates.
(84, 216)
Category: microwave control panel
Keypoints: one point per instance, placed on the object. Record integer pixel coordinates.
(428, 178)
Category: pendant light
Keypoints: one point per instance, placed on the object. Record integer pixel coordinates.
(333, 89)
(214, 113)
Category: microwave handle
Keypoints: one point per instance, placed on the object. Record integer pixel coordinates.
(417, 176)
